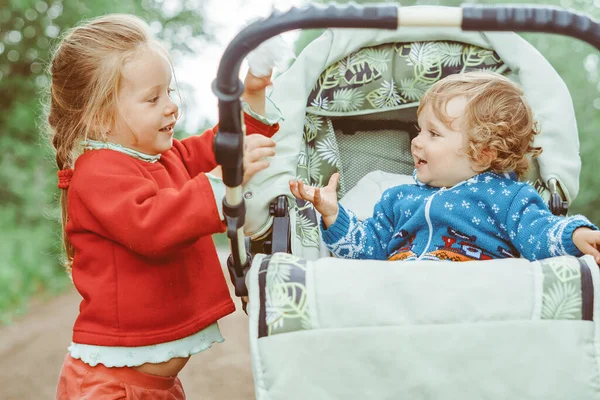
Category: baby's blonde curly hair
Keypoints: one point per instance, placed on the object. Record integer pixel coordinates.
(498, 119)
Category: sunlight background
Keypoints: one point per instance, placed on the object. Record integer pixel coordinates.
(199, 70)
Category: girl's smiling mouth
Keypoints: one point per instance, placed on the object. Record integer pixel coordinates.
(168, 128)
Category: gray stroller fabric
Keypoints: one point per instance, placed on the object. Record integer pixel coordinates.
(500, 329)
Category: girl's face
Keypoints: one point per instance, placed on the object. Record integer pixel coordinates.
(146, 114)
(439, 150)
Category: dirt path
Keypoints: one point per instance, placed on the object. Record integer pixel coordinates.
(32, 350)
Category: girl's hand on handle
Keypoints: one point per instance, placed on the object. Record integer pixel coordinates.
(256, 85)
(257, 147)
(587, 241)
(254, 92)
(324, 199)
(274, 52)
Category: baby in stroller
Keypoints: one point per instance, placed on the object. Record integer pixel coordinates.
(475, 137)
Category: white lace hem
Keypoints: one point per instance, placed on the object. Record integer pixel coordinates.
(157, 353)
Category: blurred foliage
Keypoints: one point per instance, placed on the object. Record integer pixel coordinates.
(577, 63)
(30, 244)
(30, 241)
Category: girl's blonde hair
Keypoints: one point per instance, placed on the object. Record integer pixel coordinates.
(85, 73)
(497, 120)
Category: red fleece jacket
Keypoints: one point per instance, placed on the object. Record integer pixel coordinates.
(145, 262)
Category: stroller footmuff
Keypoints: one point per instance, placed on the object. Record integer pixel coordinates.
(348, 329)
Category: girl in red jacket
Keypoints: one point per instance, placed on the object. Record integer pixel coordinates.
(138, 210)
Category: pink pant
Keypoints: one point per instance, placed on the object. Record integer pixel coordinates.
(80, 381)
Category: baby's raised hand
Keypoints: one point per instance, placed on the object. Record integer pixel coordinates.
(587, 241)
(257, 147)
(324, 199)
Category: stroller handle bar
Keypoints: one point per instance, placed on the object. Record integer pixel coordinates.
(228, 88)
(468, 17)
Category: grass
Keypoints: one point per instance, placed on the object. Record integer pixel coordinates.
(29, 268)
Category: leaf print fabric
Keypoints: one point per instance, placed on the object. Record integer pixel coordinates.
(285, 304)
(562, 288)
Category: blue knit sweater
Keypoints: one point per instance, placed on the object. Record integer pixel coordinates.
(487, 216)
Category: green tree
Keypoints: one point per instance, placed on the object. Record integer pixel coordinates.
(30, 241)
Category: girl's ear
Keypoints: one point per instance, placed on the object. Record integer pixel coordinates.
(485, 160)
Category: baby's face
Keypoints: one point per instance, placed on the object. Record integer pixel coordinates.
(439, 150)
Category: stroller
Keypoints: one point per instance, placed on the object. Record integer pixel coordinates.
(324, 328)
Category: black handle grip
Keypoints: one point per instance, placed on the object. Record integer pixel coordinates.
(531, 19)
